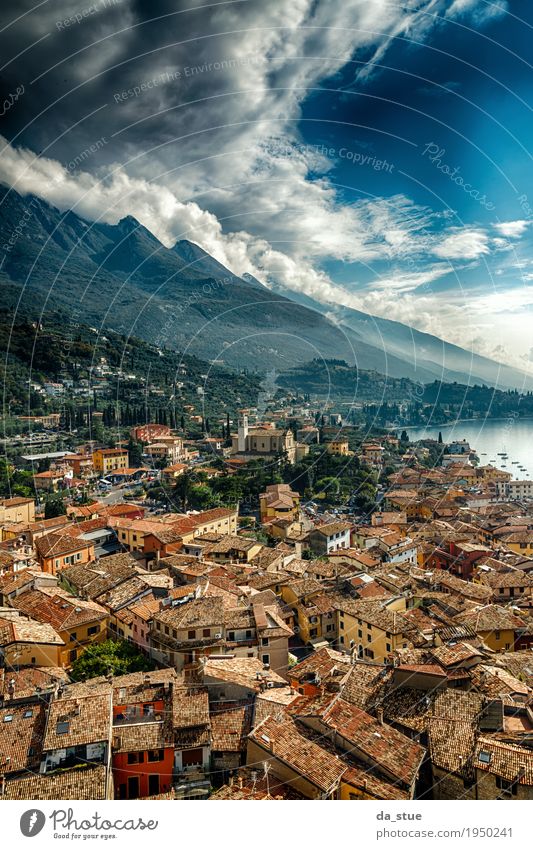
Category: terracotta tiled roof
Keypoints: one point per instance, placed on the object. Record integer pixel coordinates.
(88, 783)
(58, 608)
(282, 739)
(510, 762)
(229, 727)
(56, 545)
(78, 718)
(21, 735)
(451, 743)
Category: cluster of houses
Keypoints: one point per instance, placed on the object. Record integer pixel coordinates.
(321, 658)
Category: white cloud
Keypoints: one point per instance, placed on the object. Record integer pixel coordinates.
(512, 229)
(470, 243)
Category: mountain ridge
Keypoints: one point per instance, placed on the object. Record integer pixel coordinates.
(122, 277)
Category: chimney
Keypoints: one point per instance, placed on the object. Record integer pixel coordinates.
(380, 715)
(240, 782)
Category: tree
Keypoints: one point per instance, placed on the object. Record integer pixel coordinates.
(112, 657)
(54, 506)
(135, 453)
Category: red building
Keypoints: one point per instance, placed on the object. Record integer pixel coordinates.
(149, 432)
(143, 737)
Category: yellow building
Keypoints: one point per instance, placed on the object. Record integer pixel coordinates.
(498, 627)
(78, 622)
(110, 459)
(17, 510)
(373, 630)
(339, 447)
(26, 642)
(279, 502)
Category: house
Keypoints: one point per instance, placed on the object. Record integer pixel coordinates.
(279, 502)
(109, 459)
(170, 473)
(503, 770)
(373, 630)
(339, 448)
(167, 448)
(79, 623)
(378, 747)
(57, 551)
(498, 627)
(17, 509)
(326, 539)
(49, 481)
(23, 726)
(192, 742)
(149, 432)
(294, 759)
(143, 734)
(78, 727)
(182, 633)
(27, 642)
(230, 726)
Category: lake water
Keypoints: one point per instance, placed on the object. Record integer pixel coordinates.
(490, 438)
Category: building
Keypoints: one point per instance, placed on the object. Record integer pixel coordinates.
(109, 459)
(262, 441)
(27, 642)
(17, 509)
(78, 622)
(338, 447)
(149, 432)
(325, 539)
(143, 734)
(372, 630)
(279, 502)
(57, 551)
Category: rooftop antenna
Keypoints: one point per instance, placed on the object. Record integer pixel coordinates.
(266, 769)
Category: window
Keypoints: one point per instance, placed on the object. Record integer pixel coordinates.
(8, 717)
(369, 653)
(342, 626)
(342, 640)
(507, 786)
(191, 635)
(369, 638)
(248, 635)
(72, 655)
(206, 632)
(387, 646)
(156, 755)
(360, 634)
(265, 658)
(28, 713)
(135, 757)
(73, 637)
(497, 635)
(231, 636)
(264, 641)
(94, 629)
(62, 727)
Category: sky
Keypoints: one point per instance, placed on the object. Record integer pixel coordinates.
(361, 154)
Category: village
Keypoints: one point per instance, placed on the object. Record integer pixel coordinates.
(301, 641)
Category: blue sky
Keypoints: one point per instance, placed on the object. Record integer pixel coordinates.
(365, 155)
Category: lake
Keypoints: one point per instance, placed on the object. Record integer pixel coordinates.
(489, 438)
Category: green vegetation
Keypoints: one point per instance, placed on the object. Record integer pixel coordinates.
(122, 379)
(112, 657)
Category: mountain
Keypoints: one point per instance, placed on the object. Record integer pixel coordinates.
(120, 276)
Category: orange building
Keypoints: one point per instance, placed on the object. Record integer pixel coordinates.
(56, 551)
